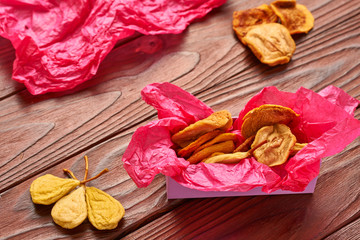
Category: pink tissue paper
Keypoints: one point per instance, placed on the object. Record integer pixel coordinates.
(60, 44)
(326, 123)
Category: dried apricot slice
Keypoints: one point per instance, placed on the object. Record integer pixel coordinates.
(295, 17)
(220, 120)
(243, 20)
(189, 149)
(225, 147)
(227, 158)
(220, 138)
(265, 115)
(271, 43)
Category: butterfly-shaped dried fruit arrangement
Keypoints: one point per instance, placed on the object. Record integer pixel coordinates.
(71, 206)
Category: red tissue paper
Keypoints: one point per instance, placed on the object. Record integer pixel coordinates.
(326, 123)
(60, 43)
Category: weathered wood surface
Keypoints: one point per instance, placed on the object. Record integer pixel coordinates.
(44, 134)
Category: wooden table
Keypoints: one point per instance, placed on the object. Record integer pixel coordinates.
(46, 133)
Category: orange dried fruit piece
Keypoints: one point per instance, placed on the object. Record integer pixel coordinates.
(243, 20)
(265, 115)
(227, 158)
(271, 43)
(189, 149)
(279, 141)
(220, 138)
(220, 120)
(295, 17)
(245, 146)
(225, 147)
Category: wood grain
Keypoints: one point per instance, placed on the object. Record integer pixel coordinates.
(46, 133)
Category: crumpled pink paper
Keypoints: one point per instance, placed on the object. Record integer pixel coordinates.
(326, 122)
(60, 44)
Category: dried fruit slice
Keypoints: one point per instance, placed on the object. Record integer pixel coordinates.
(70, 211)
(243, 20)
(279, 142)
(189, 149)
(245, 146)
(295, 17)
(225, 147)
(220, 120)
(104, 211)
(220, 138)
(297, 147)
(265, 115)
(271, 43)
(227, 158)
(48, 189)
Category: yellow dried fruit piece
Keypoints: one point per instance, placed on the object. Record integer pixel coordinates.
(277, 147)
(225, 147)
(70, 211)
(295, 17)
(243, 20)
(271, 43)
(48, 189)
(104, 211)
(227, 158)
(189, 149)
(220, 120)
(265, 115)
(297, 147)
(220, 138)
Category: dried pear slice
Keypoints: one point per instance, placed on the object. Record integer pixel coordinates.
(243, 20)
(220, 120)
(225, 147)
(227, 158)
(70, 211)
(277, 148)
(104, 211)
(48, 188)
(265, 115)
(271, 43)
(245, 146)
(295, 17)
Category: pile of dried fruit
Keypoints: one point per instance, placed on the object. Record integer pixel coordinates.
(270, 41)
(268, 138)
(69, 211)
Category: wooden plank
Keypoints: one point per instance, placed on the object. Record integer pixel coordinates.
(348, 232)
(99, 117)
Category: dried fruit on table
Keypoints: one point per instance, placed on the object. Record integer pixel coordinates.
(243, 20)
(271, 43)
(48, 189)
(70, 211)
(225, 147)
(220, 120)
(295, 17)
(279, 141)
(264, 115)
(104, 211)
(227, 157)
